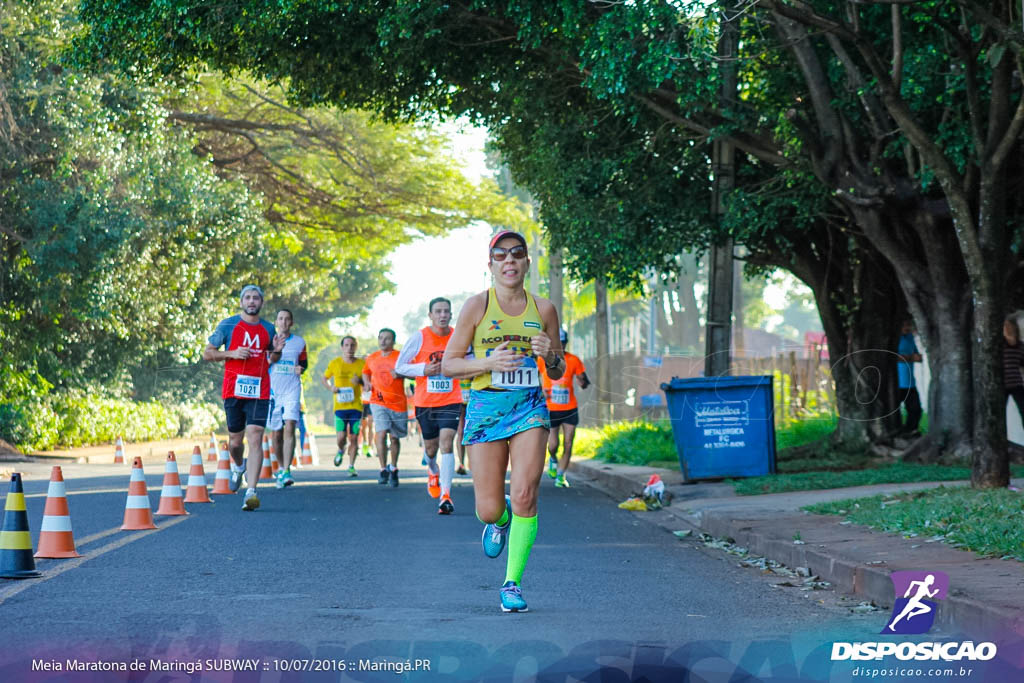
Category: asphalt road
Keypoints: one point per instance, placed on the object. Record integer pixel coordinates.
(337, 572)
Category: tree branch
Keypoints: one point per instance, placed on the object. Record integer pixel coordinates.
(752, 146)
(897, 48)
(1012, 135)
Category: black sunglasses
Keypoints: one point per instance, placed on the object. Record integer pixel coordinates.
(516, 252)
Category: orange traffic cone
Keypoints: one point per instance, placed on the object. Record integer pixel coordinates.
(15, 540)
(55, 539)
(275, 460)
(170, 495)
(137, 513)
(211, 450)
(307, 457)
(196, 492)
(118, 453)
(222, 483)
(266, 472)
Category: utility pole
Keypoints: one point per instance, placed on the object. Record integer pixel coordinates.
(718, 330)
(652, 315)
(604, 374)
(555, 283)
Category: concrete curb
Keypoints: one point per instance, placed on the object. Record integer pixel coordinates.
(769, 533)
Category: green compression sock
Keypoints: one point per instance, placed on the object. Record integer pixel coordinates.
(520, 541)
(501, 522)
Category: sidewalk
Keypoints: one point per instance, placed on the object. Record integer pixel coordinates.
(150, 452)
(986, 596)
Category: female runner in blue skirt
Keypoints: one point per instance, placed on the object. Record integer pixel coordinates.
(507, 329)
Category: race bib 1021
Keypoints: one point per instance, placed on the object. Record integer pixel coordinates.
(247, 386)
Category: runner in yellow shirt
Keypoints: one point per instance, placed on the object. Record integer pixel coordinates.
(507, 416)
(344, 379)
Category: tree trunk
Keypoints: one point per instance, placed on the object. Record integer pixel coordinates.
(860, 306)
(862, 314)
(935, 284)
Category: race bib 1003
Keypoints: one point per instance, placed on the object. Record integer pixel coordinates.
(345, 394)
(439, 384)
(247, 386)
(560, 395)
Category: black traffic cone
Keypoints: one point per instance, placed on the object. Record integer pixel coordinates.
(16, 561)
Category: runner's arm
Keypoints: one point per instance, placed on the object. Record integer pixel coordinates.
(328, 381)
(583, 380)
(404, 365)
(212, 353)
(554, 359)
(454, 363)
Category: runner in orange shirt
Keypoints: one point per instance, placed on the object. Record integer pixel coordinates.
(437, 398)
(387, 403)
(563, 409)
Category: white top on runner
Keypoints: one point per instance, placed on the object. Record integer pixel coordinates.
(284, 383)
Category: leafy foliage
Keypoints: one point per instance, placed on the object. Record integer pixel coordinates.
(75, 419)
(124, 238)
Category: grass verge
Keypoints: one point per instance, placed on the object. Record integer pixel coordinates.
(804, 461)
(628, 443)
(894, 473)
(987, 522)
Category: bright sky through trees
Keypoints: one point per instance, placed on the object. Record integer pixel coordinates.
(456, 262)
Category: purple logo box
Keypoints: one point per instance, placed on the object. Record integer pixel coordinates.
(915, 605)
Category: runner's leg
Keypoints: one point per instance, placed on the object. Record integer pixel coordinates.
(568, 436)
(526, 455)
(489, 462)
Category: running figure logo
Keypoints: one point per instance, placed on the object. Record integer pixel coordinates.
(915, 612)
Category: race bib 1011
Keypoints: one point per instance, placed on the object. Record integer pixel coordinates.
(525, 376)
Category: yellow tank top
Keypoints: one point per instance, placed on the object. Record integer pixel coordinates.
(497, 327)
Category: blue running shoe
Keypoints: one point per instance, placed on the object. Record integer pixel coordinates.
(494, 536)
(512, 598)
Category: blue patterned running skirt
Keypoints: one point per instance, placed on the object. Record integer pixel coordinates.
(499, 415)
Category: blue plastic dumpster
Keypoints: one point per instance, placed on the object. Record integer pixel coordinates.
(723, 426)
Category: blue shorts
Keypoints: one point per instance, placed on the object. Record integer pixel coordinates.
(241, 412)
(500, 415)
(347, 420)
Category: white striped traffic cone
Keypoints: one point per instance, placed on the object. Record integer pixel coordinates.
(170, 494)
(222, 482)
(137, 513)
(55, 537)
(119, 452)
(196, 491)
